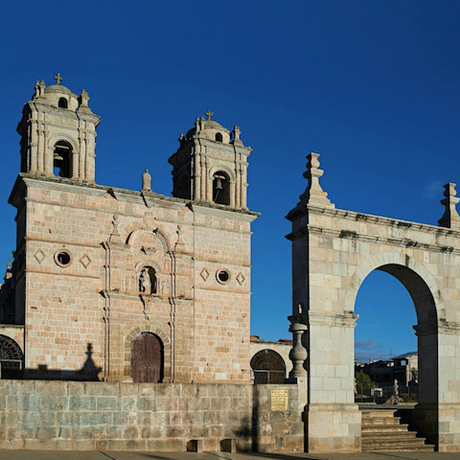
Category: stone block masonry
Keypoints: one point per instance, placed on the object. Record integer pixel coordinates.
(57, 415)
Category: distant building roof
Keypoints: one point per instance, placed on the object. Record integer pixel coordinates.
(406, 355)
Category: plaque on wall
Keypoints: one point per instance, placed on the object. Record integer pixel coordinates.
(279, 398)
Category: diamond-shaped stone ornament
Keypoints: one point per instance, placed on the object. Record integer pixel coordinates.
(204, 274)
(240, 278)
(39, 256)
(85, 260)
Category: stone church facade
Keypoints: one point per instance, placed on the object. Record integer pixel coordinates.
(124, 285)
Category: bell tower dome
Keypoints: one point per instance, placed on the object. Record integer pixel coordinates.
(58, 132)
(211, 165)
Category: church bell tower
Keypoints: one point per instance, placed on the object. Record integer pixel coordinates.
(58, 132)
(210, 165)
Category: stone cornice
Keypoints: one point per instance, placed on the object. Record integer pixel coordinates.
(441, 327)
(63, 272)
(332, 319)
(154, 298)
(348, 234)
(369, 218)
(123, 195)
(359, 216)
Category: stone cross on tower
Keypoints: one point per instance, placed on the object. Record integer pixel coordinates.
(209, 114)
(58, 78)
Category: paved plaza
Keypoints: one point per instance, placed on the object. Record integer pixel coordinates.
(103, 455)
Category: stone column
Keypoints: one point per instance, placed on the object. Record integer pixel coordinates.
(333, 419)
(232, 194)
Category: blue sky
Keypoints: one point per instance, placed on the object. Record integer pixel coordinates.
(370, 85)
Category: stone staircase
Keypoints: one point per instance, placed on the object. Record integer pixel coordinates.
(382, 432)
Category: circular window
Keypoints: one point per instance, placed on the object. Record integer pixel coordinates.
(63, 258)
(223, 276)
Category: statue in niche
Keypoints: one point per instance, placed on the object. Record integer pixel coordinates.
(148, 281)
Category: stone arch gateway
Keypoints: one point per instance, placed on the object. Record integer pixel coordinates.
(333, 252)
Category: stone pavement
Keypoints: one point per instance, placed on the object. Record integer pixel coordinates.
(103, 455)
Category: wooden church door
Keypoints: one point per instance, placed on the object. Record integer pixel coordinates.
(146, 358)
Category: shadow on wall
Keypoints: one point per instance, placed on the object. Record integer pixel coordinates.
(247, 433)
(89, 371)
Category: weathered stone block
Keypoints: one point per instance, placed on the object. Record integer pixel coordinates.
(78, 403)
(108, 403)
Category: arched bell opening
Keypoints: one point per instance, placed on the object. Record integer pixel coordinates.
(221, 188)
(268, 367)
(62, 159)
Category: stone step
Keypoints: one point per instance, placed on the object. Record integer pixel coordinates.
(393, 442)
(424, 448)
(383, 432)
(389, 435)
(379, 412)
(380, 421)
(386, 428)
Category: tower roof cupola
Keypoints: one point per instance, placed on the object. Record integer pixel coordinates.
(210, 129)
(58, 132)
(210, 165)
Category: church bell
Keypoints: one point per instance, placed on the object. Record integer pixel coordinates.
(219, 184)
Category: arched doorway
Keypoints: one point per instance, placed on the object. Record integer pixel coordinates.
(11, 358)
(385, 341)
(147, 358)
(426, 329)
(268, 367)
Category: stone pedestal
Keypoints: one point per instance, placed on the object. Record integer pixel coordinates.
(333, 428)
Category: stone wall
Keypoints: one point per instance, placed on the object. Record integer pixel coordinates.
(93, 303)
(162, 417)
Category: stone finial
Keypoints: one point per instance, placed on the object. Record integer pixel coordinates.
(39, 88)
(115, 236)
(450, 219)
(236, 135)
(209, 114)
(182, 139)
(199, 124)
(179, 246)
(8, 273)
(314, 194)
(146, 181)
(84, 98)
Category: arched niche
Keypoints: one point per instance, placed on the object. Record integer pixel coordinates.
(268, 366)
(11, 358)
(148, 280)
